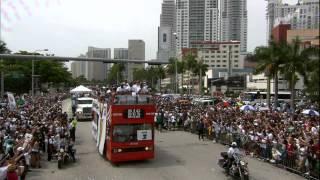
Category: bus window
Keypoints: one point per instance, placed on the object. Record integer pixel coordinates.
(130, 100)
(129, 133)
(144, 99)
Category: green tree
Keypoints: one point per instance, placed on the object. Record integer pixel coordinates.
(200, 69)
(171, 70)
(300, 61)
(140, 74)
(269, 60)
(116, 73)
(18, 73)
(3, 48)
(161, 74)
(191, 63)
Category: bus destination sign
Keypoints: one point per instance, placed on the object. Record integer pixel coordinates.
(134, 113)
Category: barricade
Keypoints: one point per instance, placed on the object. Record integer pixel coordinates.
(304, 165)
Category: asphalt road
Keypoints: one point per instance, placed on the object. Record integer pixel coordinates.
(179, 155)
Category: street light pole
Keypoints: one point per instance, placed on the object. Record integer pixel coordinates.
(176, 72)
(200, 85)
(32, 76)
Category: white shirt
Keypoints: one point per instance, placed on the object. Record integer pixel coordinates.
(135, 88)
(119, 89)
(232, 151)
(3, 172)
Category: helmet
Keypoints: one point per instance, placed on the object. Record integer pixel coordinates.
(233, 144)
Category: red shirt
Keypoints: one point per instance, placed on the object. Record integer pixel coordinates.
(290, 149)
(12, 176)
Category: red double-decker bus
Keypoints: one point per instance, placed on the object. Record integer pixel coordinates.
(130, 128)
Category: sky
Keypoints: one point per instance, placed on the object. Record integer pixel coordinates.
(68, 27)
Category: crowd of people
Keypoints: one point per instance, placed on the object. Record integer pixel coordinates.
(29, 130)
(271, 135)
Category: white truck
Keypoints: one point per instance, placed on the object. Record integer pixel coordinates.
(84, 108)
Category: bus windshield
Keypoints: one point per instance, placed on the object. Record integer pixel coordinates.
(84, 101)
(132, 132)
(132, 100)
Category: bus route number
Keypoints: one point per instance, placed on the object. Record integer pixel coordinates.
(134, 113)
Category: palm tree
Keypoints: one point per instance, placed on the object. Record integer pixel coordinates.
(201, 69)
(171, 69)
(161, 74)
(190, 64)
(181, 70)
(269, 61)
(299, 61)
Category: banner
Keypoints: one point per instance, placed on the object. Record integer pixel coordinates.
(104, 119)
(11, 102)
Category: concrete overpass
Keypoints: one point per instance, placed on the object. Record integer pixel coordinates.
(67, 59)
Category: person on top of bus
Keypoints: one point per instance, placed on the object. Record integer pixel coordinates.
(121, 89)
(127, 86)
(135, 87)
(143, 89)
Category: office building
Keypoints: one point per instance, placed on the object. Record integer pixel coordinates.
(166, 30)
(302, 15)
(259, 82)
(196, 21)
(234, 22)
(309, 37)
(222, 57)
(97, 70)
(182, 25)
(284, 33)
(120, 53)
(136, 51)
(212, 21)
(78, 68)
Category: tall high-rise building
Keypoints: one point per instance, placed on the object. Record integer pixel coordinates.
(166, 30)
(120, 53)
(78, 68)
(212, 21)
(136, 51)
(182, 25)
(303, 15)
(196, 21)
(97, 70)
(234, 22)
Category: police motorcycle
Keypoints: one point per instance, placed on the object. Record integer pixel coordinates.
(234, 166)
(66, 155)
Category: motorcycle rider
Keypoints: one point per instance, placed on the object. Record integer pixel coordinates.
(233, 150)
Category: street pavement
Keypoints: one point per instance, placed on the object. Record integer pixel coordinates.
(179, 155)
